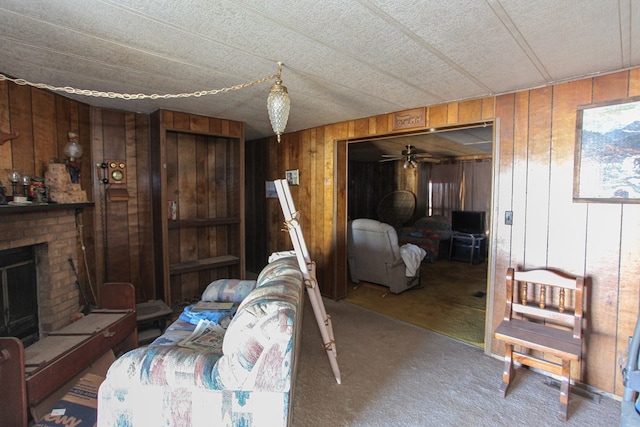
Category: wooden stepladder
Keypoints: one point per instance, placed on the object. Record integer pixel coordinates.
(308, 268)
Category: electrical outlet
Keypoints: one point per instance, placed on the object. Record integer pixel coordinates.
(508, 217)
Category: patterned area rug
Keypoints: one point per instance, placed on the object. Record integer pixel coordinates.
(451, 300)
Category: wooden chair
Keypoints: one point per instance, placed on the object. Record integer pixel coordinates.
(544, 312)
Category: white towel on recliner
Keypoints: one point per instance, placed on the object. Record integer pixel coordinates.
(412, 256)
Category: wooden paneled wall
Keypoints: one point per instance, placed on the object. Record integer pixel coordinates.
(123, 234)
(534, 180)
(320, 154)
(42, 121)
(597, 240)
(370, 182)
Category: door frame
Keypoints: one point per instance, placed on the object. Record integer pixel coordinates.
(341, 179)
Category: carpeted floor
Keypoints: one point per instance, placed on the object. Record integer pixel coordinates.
(451, 300)
(397, 374)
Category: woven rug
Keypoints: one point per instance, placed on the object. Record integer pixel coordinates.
(451, 300)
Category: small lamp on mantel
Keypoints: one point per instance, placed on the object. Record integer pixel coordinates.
(278, 105)
(73, 153)
(14, 177)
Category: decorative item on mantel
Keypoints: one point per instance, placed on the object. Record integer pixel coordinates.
(38, 191)
(73, 154)
(61, 189)
(26, 183)
(14, 177)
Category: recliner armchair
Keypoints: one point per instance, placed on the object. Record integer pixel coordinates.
(374, 255)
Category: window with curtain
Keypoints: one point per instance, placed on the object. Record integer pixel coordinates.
(458, 185)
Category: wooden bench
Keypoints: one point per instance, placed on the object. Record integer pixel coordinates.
(544, 316)
(29, 375)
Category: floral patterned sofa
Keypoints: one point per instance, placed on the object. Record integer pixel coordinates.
(248, 382)
(431, 233)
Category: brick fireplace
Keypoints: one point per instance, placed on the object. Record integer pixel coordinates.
(52, 233)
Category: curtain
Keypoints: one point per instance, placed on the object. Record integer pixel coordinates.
(477, 194)
(460, 185)
(446, 180)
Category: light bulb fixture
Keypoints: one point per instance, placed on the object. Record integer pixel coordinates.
(72, 150)
(73, 153)
(278, 105)
(410, 162)
(14, 176)
(26, 182)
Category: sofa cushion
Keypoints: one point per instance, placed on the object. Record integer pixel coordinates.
(231, 290)
(279, 268)
(258, 343)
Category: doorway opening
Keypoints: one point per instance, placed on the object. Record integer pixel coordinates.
(452, 296)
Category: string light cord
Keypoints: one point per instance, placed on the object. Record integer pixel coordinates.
(138, 96)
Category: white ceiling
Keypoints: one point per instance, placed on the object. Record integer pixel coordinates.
(343, 59)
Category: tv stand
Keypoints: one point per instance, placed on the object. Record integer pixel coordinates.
(468, 247)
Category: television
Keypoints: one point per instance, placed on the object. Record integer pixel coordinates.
(470, 222)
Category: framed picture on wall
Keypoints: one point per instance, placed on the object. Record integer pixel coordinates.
(607, 152)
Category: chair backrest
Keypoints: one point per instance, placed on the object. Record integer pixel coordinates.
(397, 207)
(546, 294)
(372, 240)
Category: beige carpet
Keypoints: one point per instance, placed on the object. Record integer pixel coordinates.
(451, 300)
(397, 374)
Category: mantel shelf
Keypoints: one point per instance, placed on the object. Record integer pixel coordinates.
(10, 209)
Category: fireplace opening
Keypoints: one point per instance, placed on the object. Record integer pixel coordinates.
(19, 294)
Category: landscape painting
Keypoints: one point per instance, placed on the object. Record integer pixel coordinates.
(607, 153)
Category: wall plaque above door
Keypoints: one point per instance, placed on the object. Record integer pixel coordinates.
(408, 119)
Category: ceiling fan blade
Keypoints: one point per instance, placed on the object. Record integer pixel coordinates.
(422, 155)
(390, 159)
(428, 160)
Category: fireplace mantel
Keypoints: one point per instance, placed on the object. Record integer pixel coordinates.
(9, 209)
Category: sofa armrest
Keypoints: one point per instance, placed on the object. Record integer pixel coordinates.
(164, 366)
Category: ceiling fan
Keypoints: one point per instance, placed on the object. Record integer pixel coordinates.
(411, 157)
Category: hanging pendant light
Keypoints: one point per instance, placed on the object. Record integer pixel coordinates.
(278, 104)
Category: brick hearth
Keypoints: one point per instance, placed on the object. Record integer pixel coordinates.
(53, 233)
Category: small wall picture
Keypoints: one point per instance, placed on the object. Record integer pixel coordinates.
(270, 190)
(292, 177)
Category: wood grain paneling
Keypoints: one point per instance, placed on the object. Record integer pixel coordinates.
(537, 136)
(203, 174)
(534, 180)
(590, 239)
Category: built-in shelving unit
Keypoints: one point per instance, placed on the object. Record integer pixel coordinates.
(198, 203)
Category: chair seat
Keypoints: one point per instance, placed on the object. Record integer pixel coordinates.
(537, 336)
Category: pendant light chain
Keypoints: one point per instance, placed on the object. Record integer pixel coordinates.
(278, 102)
(138, 96)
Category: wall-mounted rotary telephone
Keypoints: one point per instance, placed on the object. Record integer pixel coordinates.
(112, 172)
